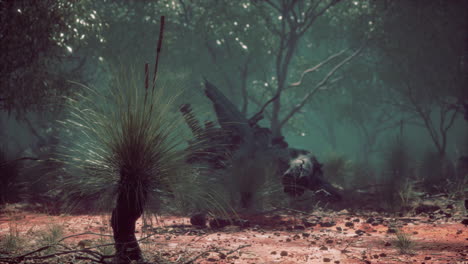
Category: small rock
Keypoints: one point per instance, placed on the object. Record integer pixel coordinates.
(349, 224)
(329, 241)
(326, 260)
(387, 244)
(305, 234)
(465, 222)
(219, 223)
(427, 258)
(391, 230)
(198, 220)
(323, 248)
(284, 253)
(370, 220)
(242, 223)
(327, 224)
(339, 228)
(308, 223)
(359, 232)
(382, 255)
(273, 253)
(426, 208)
(356, 220)
(343, 212)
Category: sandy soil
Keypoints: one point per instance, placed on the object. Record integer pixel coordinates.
(319, 237)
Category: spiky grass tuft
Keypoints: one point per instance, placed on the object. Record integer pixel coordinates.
(125, 134)
(13, 240)
(129, 151)
(129, 134)
(404, 243)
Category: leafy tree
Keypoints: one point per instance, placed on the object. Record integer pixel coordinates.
(39, 42)
(424, 61)
(288, 21)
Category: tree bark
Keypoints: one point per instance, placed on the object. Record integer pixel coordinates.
(124, 216)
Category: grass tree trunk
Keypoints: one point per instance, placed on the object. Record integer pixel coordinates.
(128, 209)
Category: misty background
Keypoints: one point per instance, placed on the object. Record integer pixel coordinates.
(390, 73)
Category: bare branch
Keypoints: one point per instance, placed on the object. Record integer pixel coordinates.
(320, 85)
(275, 6)
(316, 67)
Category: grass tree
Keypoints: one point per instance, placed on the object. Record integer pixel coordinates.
(129, 150)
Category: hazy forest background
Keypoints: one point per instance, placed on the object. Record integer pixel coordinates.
(390, 89)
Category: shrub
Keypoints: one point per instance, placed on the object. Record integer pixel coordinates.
(50, 237)
(13, 241)
(435, 171)
(396, 174)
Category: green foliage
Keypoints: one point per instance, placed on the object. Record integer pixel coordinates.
(12, 241)
(106, 250)
(408, 195)
(36, 42)
(50, 237)
(396, 174)
(131, 136)
(435, 171)
(199, 191)
(404, 243)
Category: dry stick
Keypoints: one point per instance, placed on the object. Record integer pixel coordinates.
(84, 250)
(21, 258)
(146, 82)
(158, 50)
(20, 159)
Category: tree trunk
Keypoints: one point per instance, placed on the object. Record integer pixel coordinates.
(124, 216)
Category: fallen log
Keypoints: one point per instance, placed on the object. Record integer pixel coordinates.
(244, 139)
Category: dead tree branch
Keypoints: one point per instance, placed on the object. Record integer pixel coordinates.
(320, 85)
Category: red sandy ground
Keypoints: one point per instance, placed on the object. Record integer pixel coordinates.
(272, 238)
